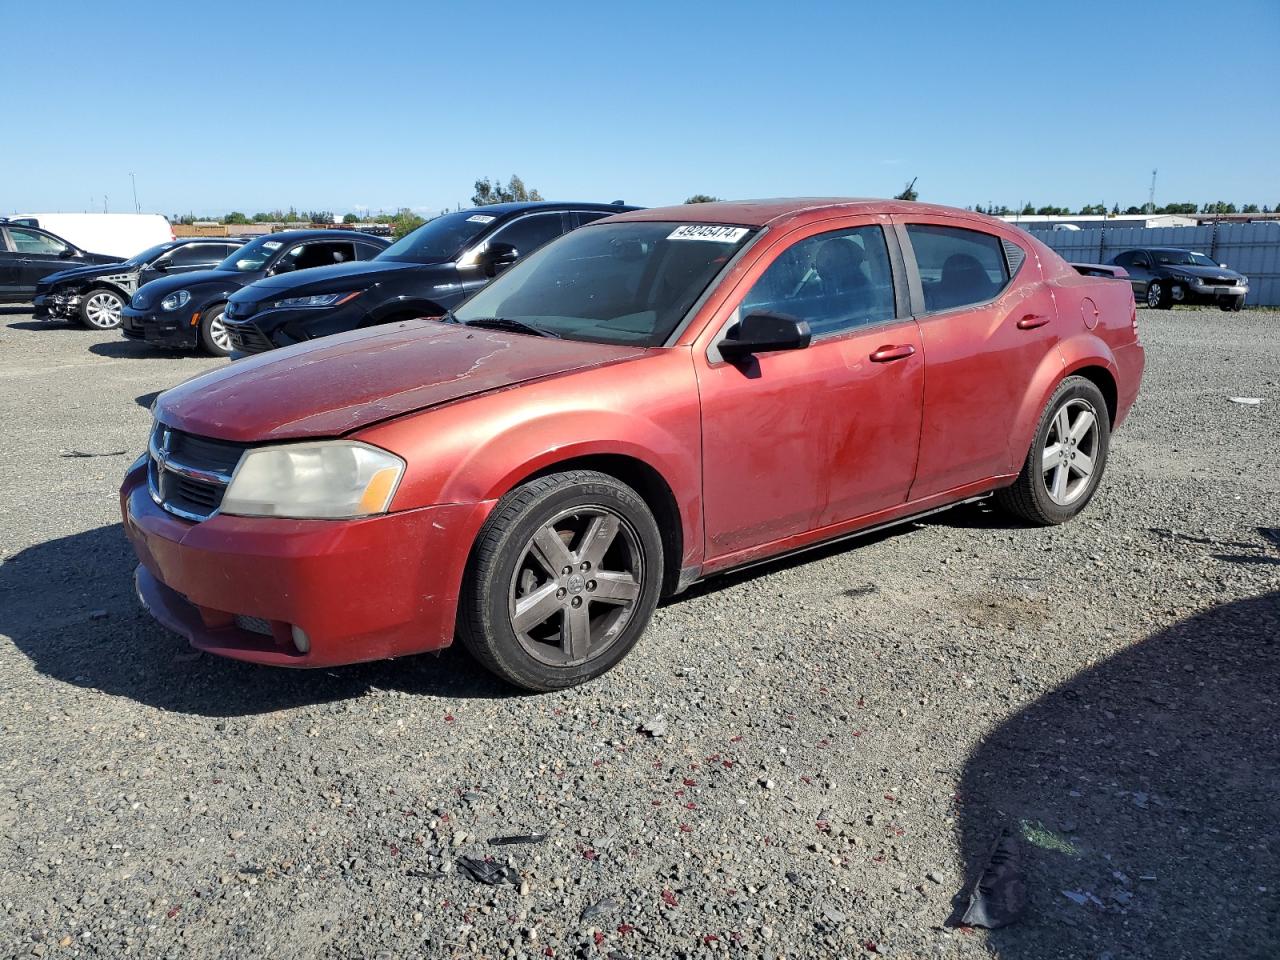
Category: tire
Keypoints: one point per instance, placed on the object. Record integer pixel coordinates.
(1159, 296)
(100, 308)
(568, 634)
(214, 339)
(1232, 304)
(1052, 486)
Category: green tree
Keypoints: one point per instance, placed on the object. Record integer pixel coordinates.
(1028, 210)
(909, 191)
(1249, 208)
(235, 216)
(350, 218)
(1132, 211)
(702, 198)
(1115, 210)
(492, 191)
(405, 221)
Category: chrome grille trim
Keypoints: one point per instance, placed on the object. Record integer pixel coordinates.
(187, 489)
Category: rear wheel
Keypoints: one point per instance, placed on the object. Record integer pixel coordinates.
(1065, 464)
(100, 309)
(563, 580)
(1158, 295)
(214, 338)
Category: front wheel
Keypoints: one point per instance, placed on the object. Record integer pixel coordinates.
(563, 580)
(100, 309)
(1067, 457)
(214, 338)
(1159, 296)
(1233, 304)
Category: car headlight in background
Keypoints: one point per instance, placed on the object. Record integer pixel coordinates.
(327, 480)
(176, 300)
(1243, 281)
(319, 300)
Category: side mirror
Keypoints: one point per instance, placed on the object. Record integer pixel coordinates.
(1224, 266)
(497, 257)
(162, 264)
(765, 333)
(66, 253)
(1143, 264)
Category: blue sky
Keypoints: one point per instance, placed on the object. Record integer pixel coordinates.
(340, 106)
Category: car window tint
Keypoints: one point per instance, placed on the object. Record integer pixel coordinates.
(318, 253)
(367, 251)
(835, 281)
(957, 267)
(1123, 259)
(198, 254)
(590, 216)
(527, 234)
(29, 241)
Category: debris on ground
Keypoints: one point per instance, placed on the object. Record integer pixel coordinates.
(1249, 401)
(517, 838)
(1000, 894)
(655, 726)
(80, 454)
(488, 872)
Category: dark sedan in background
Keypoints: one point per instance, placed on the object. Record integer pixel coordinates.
(426, 273)
(28, 254)
(1163, 276)
(96, 294)
(187, 310)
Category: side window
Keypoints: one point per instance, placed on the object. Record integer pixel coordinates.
(1124, 259)
(529, 233)
(958, 267)
(319, 253)
(198, 255)
(29, 241)
(367, 251)
(837, 281)
(589, 216)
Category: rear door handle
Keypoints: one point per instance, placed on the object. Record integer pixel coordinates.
(1031, 321)
(890, 352)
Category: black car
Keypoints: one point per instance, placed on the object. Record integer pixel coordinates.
(186, 310)
(28, 254)
(426, 273)
(96, 294)
(1163, 276)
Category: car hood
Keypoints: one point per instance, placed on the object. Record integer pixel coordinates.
(339, 276)
(159, 288)
(1206, 272)
(88, 272)
(335, 385)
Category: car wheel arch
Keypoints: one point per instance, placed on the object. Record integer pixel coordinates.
(405, 310)
(1084, 355)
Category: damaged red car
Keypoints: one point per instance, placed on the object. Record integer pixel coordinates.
(651, 399)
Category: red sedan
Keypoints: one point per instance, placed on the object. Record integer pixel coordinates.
(649, 400)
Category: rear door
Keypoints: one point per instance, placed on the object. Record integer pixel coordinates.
(987, 322)
(39, 254)
(794, 441)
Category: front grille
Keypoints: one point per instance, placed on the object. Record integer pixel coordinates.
(1221, 281)
(246, 338)
(188, 474)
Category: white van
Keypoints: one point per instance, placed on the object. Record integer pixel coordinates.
(118, 234)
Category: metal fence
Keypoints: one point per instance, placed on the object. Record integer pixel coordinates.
(1251, 248)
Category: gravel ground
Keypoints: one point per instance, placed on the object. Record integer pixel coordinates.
(841, 736)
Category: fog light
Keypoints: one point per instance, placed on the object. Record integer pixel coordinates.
(300, 639)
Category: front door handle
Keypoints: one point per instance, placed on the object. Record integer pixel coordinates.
(890, 352)
(1031, 321)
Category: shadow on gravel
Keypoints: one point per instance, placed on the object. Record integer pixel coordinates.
(1147, 793)
(69, 606)
(42, 324)
(127, 349)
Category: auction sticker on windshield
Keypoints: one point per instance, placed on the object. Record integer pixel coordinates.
(708, 231)
(480, 218)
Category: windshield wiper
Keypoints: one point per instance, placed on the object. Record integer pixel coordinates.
(506, 323)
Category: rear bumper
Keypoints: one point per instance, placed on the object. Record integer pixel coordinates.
(163, 329)
(365, 589)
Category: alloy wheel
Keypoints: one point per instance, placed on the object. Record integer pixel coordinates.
(576, 586)
(1153, 295)
(219, 334)
(103, 310)
(1067, 462)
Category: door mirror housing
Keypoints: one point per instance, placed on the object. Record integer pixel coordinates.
(66, 253)
(162, 264)
(765, 332)
(497, 257)
(1143, 264)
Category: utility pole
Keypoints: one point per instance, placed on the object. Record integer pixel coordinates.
(1151, 196)
(136, 208)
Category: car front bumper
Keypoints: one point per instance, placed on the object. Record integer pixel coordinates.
(55, 306)
(270, 329)
(1208, 294)
(366, 589)
(180, 328)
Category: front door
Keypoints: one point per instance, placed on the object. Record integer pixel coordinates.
(799, 440)
(39, 254)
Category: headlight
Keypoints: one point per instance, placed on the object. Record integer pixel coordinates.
(1243, 281)
(176, 300)
(331, 479)
(319, 300)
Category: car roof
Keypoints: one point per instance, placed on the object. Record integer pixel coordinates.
(779, 211)
(518, 206)
(1168, 249)
(287, 235)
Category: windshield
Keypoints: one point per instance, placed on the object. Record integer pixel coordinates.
(254, 255)
(146, 256)
(1182, 258)
(440, 239)
(619, 283)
